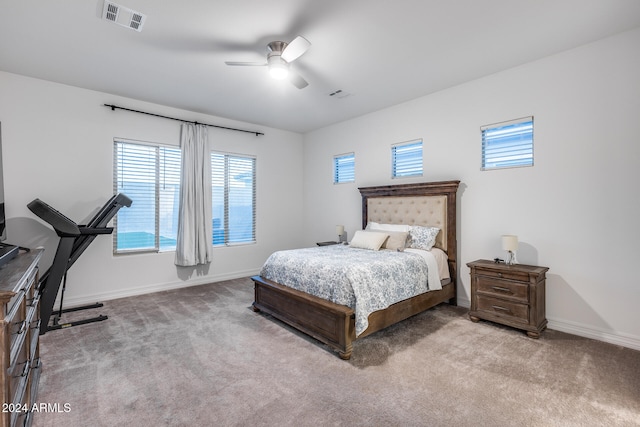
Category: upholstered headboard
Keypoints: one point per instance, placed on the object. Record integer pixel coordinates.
(428, 203)
(411, 210)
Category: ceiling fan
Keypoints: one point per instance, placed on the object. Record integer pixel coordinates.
(279, 57)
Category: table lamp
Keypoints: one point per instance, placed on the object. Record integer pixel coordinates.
(339, 232)
(510, 244)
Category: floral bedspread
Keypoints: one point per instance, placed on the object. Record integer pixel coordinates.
(362, 279)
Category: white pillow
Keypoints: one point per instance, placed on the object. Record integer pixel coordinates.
(368, 240)
(423, 237)
(387, 227)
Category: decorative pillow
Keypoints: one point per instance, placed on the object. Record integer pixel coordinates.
(368, 240)
(387, 227)
(423, 237)
(397, 240)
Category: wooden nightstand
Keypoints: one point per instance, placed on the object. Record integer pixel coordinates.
(512, 295)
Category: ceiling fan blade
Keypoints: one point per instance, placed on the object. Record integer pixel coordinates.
(248, 64)
(297, 80)
(295, 49)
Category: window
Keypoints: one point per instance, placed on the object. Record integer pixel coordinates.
(344, 168)
(149, 175)
(507, 144)
(406, 159)
(233, 182)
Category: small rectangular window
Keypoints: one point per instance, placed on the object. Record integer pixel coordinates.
(233, 186)
(406, 159)
(507, 144)
(344, 168)
(149, 175)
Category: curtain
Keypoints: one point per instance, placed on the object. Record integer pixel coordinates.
(194, 244)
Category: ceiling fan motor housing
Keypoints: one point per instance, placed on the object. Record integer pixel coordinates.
(276, 47)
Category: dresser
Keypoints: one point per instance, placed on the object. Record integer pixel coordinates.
(512, 295)
(19, 335)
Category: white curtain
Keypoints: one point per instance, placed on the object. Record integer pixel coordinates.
(194, 244)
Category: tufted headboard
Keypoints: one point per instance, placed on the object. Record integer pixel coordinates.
(418, 210)
(428, 203)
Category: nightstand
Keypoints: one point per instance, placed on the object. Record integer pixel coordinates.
(513, 295)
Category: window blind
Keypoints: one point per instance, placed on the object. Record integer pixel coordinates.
(507, 144)
(234, 198)
(150, 176)
(406, 159)
(344, 168)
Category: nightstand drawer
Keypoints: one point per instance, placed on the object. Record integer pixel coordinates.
(503, 288)
(504, 309)
(510, 275)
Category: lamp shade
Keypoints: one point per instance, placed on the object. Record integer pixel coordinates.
(339, 230)
(509, 242)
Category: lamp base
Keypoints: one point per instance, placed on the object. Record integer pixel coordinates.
(511, 258)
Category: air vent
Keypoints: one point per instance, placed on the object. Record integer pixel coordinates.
(123, 16)
(339, 94)
(111, 12)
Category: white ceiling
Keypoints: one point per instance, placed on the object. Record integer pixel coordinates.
(380, 52)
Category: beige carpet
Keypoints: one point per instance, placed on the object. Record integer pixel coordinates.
(201, 357)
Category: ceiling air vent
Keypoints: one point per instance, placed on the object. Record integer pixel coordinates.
(339, 94)
(123, 16)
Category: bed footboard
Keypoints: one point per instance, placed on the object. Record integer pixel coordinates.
(330, 323)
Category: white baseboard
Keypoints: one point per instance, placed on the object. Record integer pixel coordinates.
(611, 337)
(70, 302)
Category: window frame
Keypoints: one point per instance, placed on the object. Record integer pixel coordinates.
(510, 129)
(395, 164)
(339, 167)
(160, 174)
(226, 217)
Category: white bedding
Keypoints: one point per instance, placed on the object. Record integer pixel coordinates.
(432, 264)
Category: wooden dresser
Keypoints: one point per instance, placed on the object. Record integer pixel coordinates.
(19, 333)
(512, 295)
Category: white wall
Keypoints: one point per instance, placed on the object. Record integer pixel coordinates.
(57, 144)
(576, 211)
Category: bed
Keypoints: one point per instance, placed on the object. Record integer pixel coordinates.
(430, 204)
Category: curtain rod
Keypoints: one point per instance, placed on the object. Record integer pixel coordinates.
(113, 107)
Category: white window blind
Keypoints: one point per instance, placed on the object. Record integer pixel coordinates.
(233, 180)
(406, 159)
(344, 168)
(150, 176)
(507, 144)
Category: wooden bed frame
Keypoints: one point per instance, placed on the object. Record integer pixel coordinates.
(432, 203)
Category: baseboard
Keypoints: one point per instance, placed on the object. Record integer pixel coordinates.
(611, 337)
(70, 302)
(463, 302)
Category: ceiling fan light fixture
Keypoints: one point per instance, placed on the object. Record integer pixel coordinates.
(278, 68)
(279, 72)
(279, 56)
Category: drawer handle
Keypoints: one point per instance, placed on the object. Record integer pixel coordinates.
(37, 324)
(23, 325)
(499, 274)
(25, 370)
(501, 289)
(498, 308)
